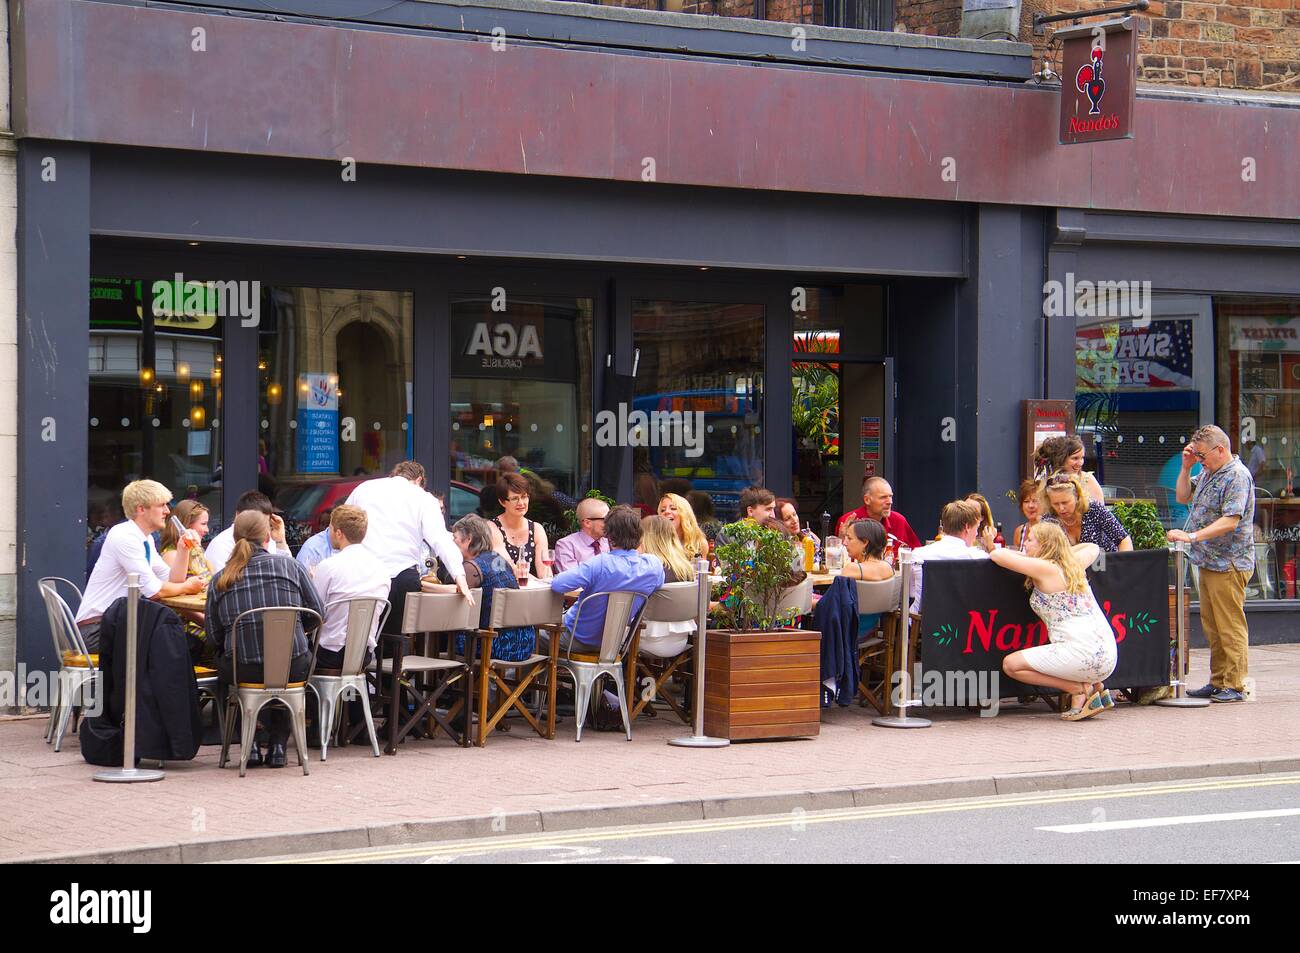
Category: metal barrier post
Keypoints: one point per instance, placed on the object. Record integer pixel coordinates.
(700, 739)
(1180, 699)
(905, 700)
(129, 773)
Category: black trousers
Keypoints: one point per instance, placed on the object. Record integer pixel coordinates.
(408, 580)
(273, 722)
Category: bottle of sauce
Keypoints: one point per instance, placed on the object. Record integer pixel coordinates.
(809, 550)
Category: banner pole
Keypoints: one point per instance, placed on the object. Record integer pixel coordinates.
(901, 720)
(1179, 699)
(700, 739)
(129, 773)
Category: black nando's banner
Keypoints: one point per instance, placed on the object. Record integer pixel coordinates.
(977, 613)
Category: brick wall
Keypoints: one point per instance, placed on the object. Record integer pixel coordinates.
(1246, 44)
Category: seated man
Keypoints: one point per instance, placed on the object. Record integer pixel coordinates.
(319, 546)
(878, 505)
(589, 541)
(757, 503)
(223, 544)
(960, 524)
(620, 569)
(129, 547)
(352, 573)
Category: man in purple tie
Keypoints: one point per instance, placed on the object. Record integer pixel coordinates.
(588, 542)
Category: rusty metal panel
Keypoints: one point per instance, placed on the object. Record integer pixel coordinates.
(116, 74)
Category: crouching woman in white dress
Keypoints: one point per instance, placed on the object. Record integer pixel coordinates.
(1081, 654)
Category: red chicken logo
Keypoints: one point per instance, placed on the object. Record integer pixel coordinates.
(1090, 81)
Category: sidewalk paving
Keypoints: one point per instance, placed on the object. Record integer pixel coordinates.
(53, 808)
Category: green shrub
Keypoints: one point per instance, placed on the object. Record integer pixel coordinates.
(1142, 522)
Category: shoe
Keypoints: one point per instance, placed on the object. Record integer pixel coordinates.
(1205, 691)
(1092, 706)
(254, 755)
(1227, 695)
(276, 756)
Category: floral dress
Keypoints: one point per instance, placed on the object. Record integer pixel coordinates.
(510, 645)
(1082, 644)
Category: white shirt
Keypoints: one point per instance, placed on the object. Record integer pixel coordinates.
(351, 573)
(123, 552)
(946, 547)
(400, 516)
(222, 546)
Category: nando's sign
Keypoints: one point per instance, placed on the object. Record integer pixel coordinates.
(1098, 81)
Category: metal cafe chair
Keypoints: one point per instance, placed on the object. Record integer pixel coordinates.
(511, 609)
(365, 615)
(78, 668)
(673, 602)
(247, 699)
(875, 653)
(587, 668)
(434, 617)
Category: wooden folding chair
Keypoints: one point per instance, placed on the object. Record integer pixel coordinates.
(430, 616)
(874, 681)
(673, 602)
(515, 608)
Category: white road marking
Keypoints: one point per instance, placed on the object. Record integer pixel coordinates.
(1168, 821)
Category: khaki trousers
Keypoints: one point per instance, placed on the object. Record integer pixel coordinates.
(1223, 617)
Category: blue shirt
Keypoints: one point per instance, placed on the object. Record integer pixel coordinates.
(317, 549)
(618, 569)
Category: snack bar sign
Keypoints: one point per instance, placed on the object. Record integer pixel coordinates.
(1098, 81)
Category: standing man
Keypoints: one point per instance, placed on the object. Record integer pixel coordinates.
(1221, 528)
(401, 515)
(589, 541)
(878, 505)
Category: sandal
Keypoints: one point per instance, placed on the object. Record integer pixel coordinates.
(1091, 706)
(1106, 698)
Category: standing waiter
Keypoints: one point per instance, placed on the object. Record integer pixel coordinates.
(402, 514)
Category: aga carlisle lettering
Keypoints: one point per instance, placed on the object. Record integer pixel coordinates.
(99, 907)
(504, 345)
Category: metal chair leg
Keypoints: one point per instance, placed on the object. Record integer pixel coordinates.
(248, 729)
(370, 720)
(325, 717)
(298, 712)
(617, 672)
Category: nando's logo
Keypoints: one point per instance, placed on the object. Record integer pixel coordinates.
(984, 633)
(1091, 81)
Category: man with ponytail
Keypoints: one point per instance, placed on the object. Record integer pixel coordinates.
(254, 578)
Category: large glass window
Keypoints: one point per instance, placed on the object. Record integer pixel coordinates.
(155, 396)
(521, 387)
(1259, 406)
(700, 364)
(334, 396)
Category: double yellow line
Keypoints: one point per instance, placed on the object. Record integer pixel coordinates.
(492, 845)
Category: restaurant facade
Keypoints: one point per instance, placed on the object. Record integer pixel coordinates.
(624, 247)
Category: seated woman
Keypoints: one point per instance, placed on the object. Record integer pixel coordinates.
(787, 511)
(518, 539)
(1065, 500)
(485, 569)
(866, 540)
(659, 539)
(192, 515)
(678, 512)
(1082, 653)
(987, 532)
(253, 578)
(1031, 509)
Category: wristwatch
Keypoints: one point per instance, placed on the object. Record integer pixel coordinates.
(1192, 536)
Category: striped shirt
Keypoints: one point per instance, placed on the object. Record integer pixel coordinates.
(268, 580)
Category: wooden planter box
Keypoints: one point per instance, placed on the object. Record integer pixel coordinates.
(762, 684)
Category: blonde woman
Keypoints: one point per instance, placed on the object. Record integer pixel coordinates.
(987, 532)
(677, 511)
(1065, 500)
(192, 515)
(659, 539)
(1082, 653)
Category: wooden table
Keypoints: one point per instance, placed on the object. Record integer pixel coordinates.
(197, 602)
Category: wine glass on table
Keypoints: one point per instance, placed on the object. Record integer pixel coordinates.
(547, 557)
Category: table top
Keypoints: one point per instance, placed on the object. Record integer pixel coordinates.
(1277, 501)
(194, 603)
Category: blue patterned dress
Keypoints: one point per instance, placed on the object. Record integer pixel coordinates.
(510, 645)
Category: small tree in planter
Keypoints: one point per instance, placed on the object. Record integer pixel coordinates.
(755, 562)
(1142, 522)
(762, 679)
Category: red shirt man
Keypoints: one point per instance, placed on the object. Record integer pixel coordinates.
(878, 504)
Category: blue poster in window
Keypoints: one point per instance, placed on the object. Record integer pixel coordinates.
(317, 434)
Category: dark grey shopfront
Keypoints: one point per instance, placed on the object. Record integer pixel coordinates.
(934, 302)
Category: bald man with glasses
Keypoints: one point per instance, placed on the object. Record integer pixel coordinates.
(1221, 530)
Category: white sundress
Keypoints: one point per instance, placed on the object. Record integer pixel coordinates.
(1082, 643)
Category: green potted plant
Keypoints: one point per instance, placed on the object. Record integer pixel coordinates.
(1140, 519)
(762, 677)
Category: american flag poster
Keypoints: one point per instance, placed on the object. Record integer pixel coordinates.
(1116, 358)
